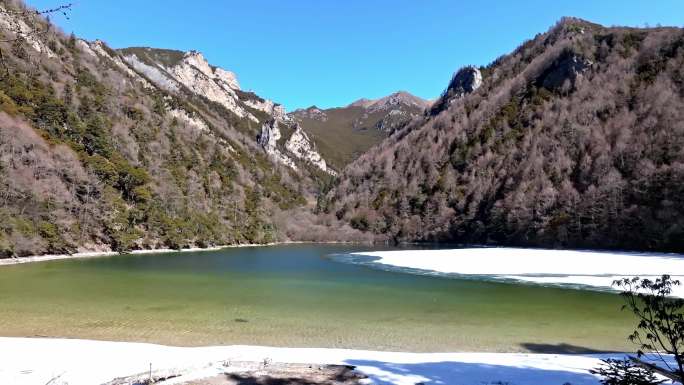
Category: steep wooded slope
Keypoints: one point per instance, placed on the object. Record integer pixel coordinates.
(99, 151)
(574, 139)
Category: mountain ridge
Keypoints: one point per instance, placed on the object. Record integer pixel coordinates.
(574, 139)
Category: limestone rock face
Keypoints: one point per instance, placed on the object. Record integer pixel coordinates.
(268, 140)
(297, 147)
(98, 48)
(193, 72)
(303, 148)
(10, 23)
(177, 71)
(154, 74)
(465, 81)
(274, 109)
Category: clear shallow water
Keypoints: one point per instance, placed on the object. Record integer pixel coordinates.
(297, 295)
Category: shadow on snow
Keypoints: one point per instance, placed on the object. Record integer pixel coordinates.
(464, 373)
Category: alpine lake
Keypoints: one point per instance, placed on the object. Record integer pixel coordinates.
(305, 295)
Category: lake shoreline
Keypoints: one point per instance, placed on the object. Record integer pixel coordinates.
(97, 254)
(74, 361)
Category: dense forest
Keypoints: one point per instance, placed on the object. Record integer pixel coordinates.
(575, 139)
(94, 156)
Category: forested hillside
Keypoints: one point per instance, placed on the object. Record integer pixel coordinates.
(345, 133)
(576, 139)
(99, 152)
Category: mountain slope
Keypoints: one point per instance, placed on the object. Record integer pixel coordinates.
(576, 139)
(343, 134)
(189, 74)
(100, 150)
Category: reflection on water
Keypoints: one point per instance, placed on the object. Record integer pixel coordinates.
(295, 295)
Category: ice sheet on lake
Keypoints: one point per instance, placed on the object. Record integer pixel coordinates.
(592, 269)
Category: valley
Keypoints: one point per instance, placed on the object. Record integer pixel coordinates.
(163, 223)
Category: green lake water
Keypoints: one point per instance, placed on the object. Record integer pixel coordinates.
(296, 295)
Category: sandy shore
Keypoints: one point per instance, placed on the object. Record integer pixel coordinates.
(577, 268)
(85, 362)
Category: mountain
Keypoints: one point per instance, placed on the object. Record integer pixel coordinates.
(344, 133)
(191, 74)
(575, 139)
(141, 148)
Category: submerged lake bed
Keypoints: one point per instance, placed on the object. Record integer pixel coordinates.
(308, 295)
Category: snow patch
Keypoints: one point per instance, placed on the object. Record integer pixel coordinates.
(80, 362)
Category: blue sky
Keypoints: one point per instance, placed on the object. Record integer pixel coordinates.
(330, 53)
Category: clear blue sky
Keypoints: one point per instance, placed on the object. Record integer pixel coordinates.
(329, 53)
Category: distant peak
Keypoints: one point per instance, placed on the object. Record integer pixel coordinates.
(400, 97)
(363, 102)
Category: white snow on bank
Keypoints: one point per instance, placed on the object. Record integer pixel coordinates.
(551, 267)
(83, 362)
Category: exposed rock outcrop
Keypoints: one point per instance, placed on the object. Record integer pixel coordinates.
(154, 74)
(304, 149)
(268, 139)
(98, 48)
(20, 27)
(297, 147)
(175, 70)
(274, 109)
(465, 81)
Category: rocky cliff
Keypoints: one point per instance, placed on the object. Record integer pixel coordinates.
(175, 70)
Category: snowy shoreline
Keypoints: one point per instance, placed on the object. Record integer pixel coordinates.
(567, 268)
(80, 362)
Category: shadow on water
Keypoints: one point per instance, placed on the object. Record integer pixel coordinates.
(562, 349)
(467, 373)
